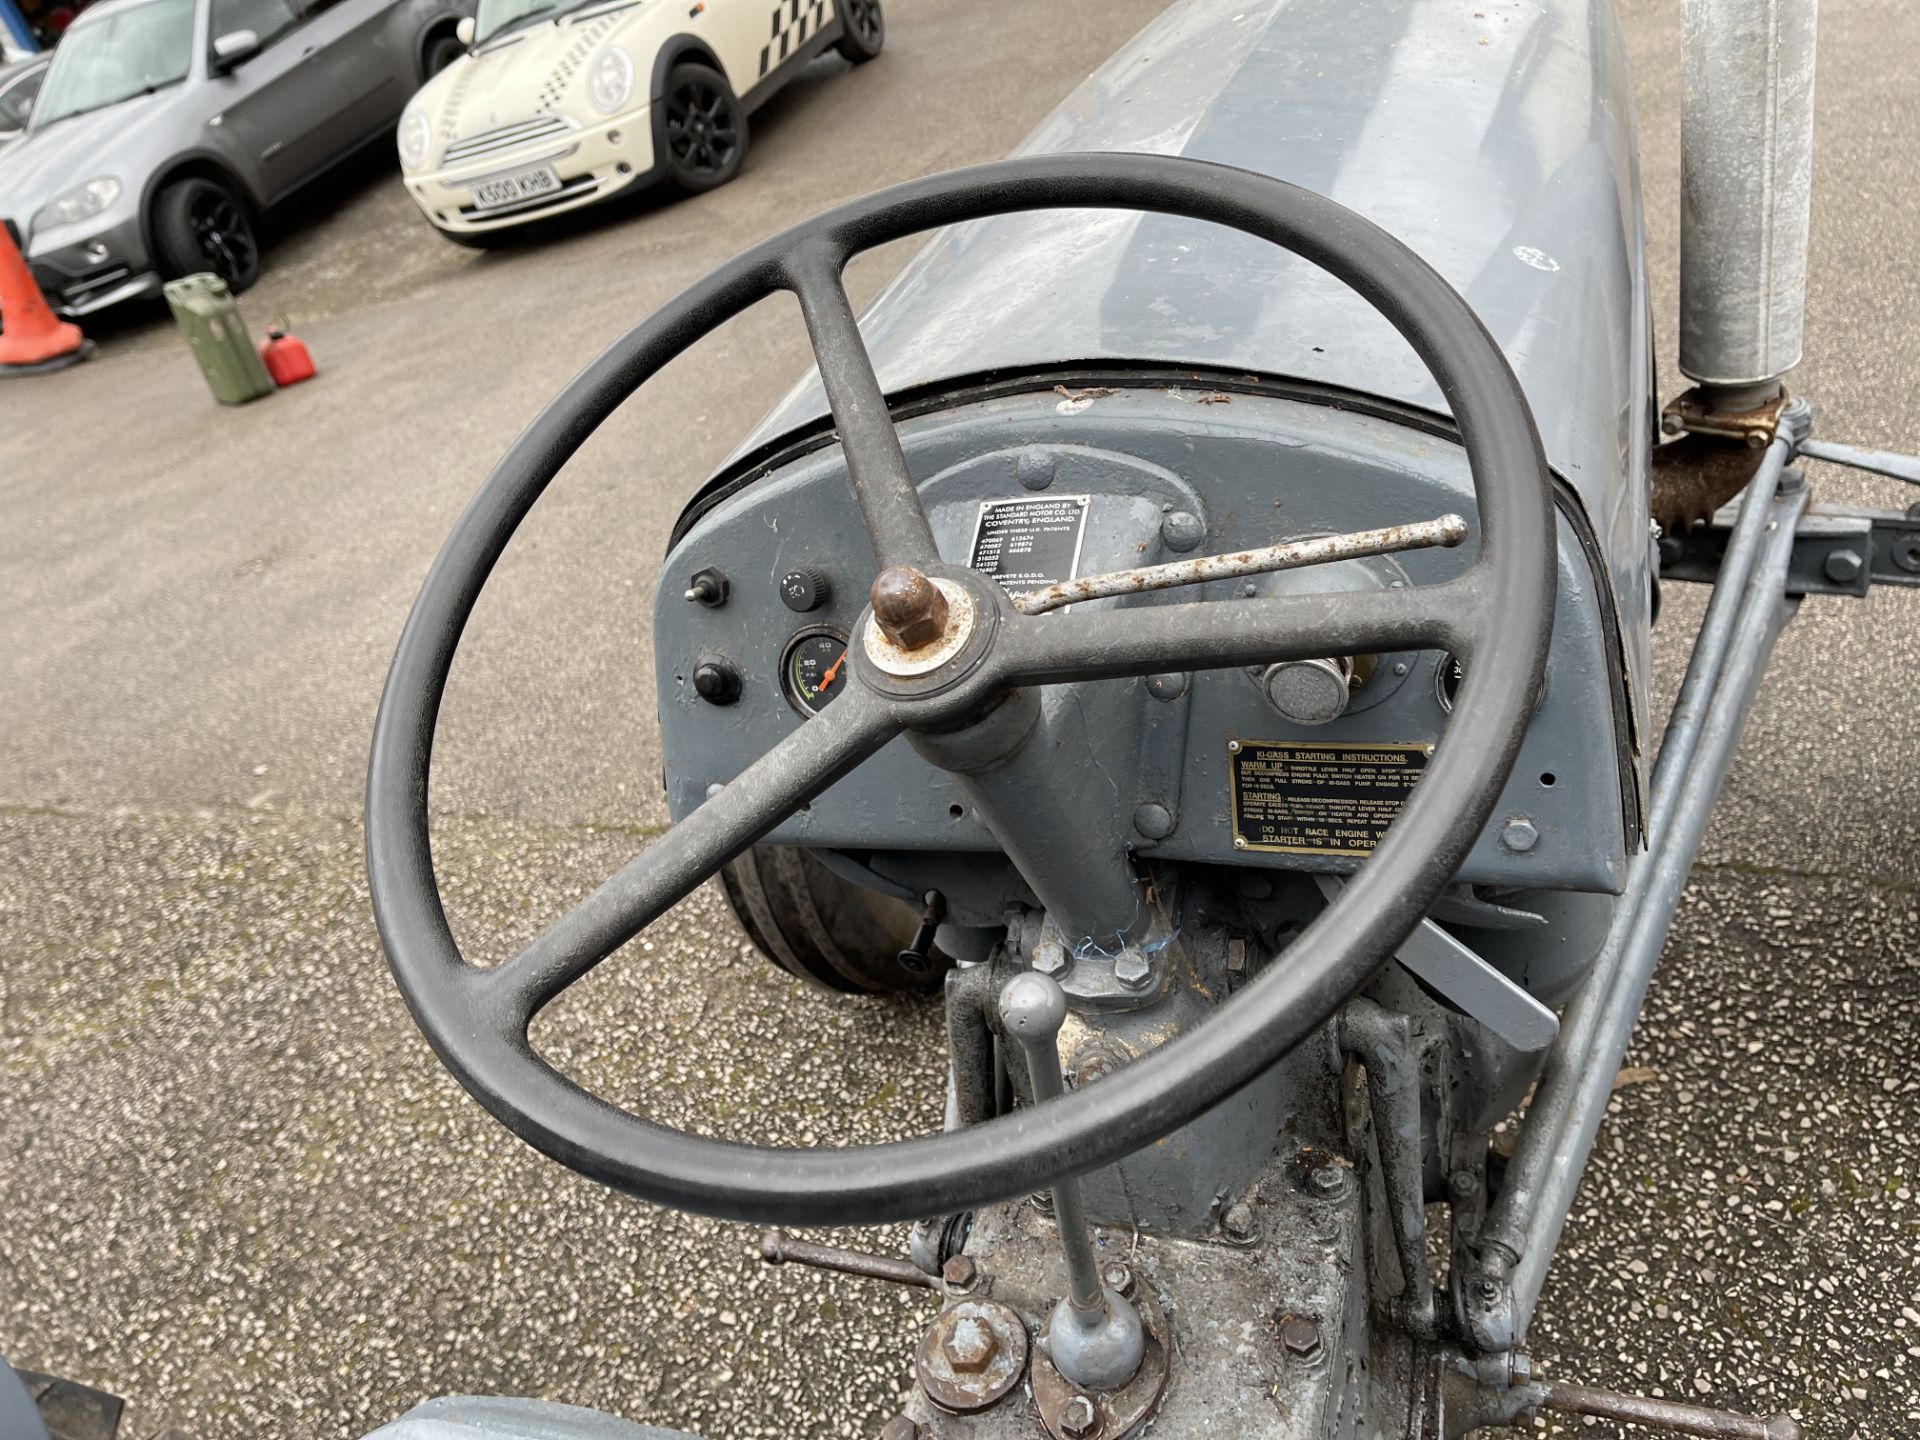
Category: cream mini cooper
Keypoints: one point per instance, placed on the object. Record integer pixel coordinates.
(561, 103)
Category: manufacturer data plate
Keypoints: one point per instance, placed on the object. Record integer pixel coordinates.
(1317, 799)
(1030, 542)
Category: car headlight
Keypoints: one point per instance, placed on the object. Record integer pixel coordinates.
(415, 137)
(80, 203)
(610, 80)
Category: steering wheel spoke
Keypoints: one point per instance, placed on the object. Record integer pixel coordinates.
(767, 792)
(888, 500)
(1216, 634)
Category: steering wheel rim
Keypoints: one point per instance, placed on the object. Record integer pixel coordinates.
(477, 1020)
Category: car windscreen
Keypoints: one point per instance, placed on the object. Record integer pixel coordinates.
(494, 16)
(112, 57)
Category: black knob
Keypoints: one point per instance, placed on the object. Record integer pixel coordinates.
(805, 587)
(716, 680)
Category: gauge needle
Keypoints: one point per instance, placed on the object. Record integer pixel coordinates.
(833, 670)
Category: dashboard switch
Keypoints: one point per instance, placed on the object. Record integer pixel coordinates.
(716, 680)
(804, 588)
(708, 586)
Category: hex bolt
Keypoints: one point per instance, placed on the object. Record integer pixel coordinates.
(1485, 1291)
(1301, 1337)
(1049, 957)
(959, 1272)
(1079, 1418)
(900, 1427)
(1133, 970)
(1118, 1277)
(970, 1346)
(1239, 1222)
(1463, 1183)
(1843, 566)
(1329, 1181)
(1519, 835)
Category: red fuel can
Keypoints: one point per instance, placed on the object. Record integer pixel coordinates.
(286, 358)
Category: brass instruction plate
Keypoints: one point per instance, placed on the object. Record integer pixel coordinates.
(1318, 799)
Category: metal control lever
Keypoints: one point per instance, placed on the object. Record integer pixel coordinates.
(779, 1248)
(1095, 1337)
(917, 958)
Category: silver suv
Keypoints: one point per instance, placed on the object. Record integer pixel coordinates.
(165, 128)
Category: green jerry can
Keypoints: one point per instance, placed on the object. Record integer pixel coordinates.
(204, 310)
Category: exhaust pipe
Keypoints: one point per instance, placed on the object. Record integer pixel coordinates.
(1746, 184)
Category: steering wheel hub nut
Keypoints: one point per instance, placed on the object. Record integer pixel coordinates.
(938, 628)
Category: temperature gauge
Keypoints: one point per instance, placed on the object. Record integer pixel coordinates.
(814, 669)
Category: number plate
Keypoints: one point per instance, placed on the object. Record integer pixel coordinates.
(512, 189)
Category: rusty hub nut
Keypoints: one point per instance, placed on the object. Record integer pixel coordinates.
(1078, 1418)
(970, 1346)
(1301, 1337)
(959, 1272)
(908, 607)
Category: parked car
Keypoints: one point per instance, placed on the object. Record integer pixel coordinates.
(165, 128)
(564, 103)
(19, 85)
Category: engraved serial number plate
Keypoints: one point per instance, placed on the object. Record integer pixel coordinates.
(1317, 799)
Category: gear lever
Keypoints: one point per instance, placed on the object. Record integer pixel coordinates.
(1094, 1337)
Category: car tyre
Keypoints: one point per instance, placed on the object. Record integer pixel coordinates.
(442, 50)
(703, 128)
(822, 928)
(863, 30)
(199, 224)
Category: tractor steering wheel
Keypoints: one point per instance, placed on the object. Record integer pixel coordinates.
(1495, 616)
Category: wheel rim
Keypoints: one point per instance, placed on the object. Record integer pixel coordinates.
(702, 134)
(865, 18)
(223, 237)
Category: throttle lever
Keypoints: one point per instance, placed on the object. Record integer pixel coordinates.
(917, 958)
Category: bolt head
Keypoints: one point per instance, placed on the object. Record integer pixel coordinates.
(1050, 957)
(900, 1427)
(1301, 1337)
(1181, 530)
(1238, 1222)
(1118, 1278)
(1843, 566)
(1485, 1291)
(1079, 1418)
(969, 1346)
(1169, 686)
(1519, 835)
(1328, 1180)
(1133, 970)
(1153, 820)
(960, 1272)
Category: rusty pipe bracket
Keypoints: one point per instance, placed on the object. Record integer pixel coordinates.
(1693, 412)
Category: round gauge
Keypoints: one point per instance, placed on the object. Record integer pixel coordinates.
(814, 669)
(1447, 681)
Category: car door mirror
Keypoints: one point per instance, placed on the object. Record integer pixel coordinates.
(463, 32)
(232, 48)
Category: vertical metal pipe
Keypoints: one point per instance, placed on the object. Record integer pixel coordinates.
(1512, 1215)
(1766, 610)
(1746, 186)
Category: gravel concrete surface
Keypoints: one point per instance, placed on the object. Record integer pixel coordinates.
(238, 1189)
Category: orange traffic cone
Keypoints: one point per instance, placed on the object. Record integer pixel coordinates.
(31, 340)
